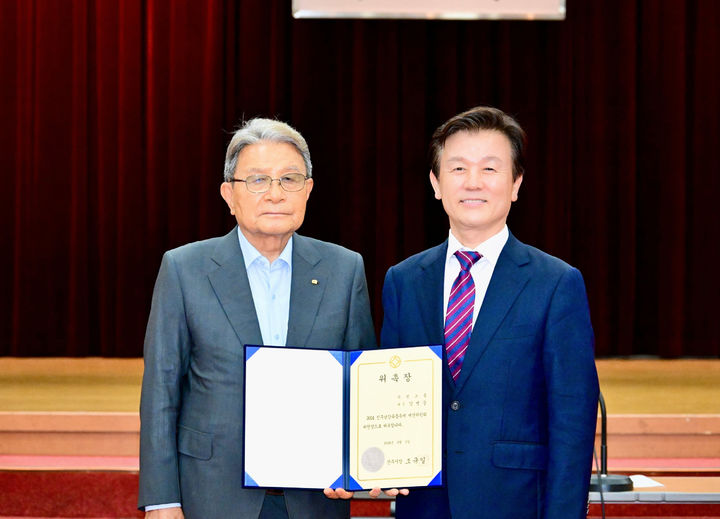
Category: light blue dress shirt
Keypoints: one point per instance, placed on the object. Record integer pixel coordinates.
(270, 287)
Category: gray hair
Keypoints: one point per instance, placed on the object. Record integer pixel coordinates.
(257, 130)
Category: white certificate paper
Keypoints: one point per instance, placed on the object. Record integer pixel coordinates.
(293, 418)
(351, 419)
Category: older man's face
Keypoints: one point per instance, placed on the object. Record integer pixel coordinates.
(276, 213)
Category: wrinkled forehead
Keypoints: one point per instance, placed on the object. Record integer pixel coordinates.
(270, 156)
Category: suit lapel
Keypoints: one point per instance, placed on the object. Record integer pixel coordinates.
(430, 293)
(232, 288)
(508, 280)
(430, 299)
(310, 277)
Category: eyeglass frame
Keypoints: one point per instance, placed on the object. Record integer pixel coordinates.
(278, 180)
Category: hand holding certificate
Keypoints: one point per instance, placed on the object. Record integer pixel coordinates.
(334, 419)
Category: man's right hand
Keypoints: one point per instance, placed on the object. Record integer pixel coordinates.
(390, 492)
(165, 513)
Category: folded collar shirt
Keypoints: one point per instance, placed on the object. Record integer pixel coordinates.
(270, 287)
(481, 271)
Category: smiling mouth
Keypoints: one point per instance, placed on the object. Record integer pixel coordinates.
(473, 201)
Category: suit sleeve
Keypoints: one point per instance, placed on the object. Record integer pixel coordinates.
(360, 332)
(572, 386)
(390, 334)
(166, 354)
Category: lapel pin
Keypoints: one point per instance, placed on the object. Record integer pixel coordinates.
(314, 281)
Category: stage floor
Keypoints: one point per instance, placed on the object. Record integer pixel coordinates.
(75, 416)
(113, 385)
(664, 415)
(70, 384)
(685, 386)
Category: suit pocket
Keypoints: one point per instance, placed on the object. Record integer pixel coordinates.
(516, 332)
(194, 443)
(520, 455)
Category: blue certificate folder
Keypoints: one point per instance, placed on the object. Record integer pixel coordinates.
(317, 418)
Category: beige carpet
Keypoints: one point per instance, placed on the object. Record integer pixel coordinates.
(69, 384)
(109, 385)
(660, 386)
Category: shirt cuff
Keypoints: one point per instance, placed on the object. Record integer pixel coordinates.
(148, 508)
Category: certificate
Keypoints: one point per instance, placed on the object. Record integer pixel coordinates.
(351, 419)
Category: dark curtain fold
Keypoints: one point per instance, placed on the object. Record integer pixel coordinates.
(114, 117)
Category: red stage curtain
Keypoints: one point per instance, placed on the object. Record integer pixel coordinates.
(114, 117)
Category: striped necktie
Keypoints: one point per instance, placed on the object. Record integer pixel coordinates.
(459, 317)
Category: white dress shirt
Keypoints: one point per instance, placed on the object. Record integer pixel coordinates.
(481, 271)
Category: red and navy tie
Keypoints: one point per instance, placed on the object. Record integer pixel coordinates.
(459, 317)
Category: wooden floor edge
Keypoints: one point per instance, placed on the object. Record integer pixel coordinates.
(69, 422)
(69, 413)
(662, 424)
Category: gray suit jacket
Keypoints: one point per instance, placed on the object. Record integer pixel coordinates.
(191, 407)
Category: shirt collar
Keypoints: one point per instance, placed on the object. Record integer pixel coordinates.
(490, 248)
(251, 254)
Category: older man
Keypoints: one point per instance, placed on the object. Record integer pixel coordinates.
(259, 284)
(520, 384)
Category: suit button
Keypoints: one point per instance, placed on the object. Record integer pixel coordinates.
(455, 405)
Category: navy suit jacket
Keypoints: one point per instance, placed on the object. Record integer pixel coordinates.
(520, 420)
(191, 409)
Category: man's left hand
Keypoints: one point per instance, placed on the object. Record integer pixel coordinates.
(338, 493)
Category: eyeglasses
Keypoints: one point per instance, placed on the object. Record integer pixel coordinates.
(261, 183)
